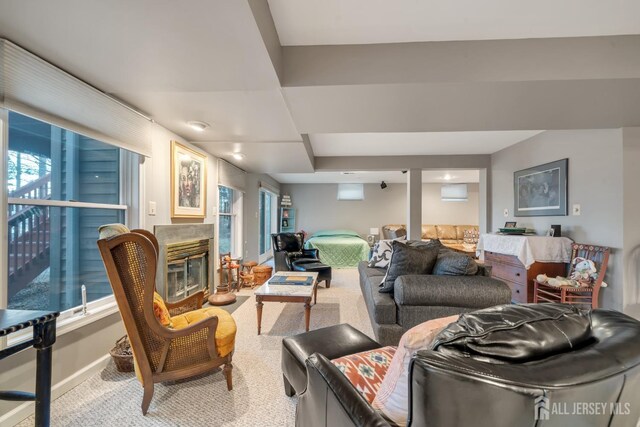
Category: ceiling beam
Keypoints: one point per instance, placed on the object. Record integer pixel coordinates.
(266, 26)
(475, 106)
(575, 58)
(391, 163)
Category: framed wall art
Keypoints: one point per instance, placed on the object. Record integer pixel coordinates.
(542, 190)
(188, 182)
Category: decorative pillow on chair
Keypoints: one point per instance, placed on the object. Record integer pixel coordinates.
(452, 263)
(160, 311)
(366, 370)
(406, 259)
(393, 394)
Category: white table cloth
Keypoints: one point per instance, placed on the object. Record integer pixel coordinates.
(528, 249)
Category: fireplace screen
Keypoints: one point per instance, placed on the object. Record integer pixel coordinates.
(187, 269)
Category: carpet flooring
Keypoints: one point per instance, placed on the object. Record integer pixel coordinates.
(110, 398)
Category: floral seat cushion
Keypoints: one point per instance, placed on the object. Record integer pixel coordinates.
(366, 370)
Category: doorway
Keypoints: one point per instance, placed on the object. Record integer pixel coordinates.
(268, 223)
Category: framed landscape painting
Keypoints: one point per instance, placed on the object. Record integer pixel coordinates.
(542, 190)
(188, 182)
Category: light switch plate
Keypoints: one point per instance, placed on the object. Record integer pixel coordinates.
(577, 210)
(506, 213)
(152, 208)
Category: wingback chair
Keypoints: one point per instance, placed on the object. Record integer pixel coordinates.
(289, 247)
(169, 341)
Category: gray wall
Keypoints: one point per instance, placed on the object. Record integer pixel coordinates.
(435, 211)
(318, 208)
(251, 204)
(631, 159)
(595, 182)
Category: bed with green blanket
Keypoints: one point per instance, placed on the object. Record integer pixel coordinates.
(339, 248)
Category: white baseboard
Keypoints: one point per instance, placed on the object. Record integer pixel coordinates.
(26, 409)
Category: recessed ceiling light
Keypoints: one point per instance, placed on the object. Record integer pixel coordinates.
(198, 126)
(447, 177)
(238, 156)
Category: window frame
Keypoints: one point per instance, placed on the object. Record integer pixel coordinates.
(237, 248)
(72, 318)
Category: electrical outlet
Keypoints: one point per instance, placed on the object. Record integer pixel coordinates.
(152, 208)
(506, 213)
(577, 210)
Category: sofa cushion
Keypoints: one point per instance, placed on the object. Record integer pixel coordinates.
(393, 395)
(452, 291)
(429, 232)
(381, 307)
(447, 232)
(516, 333)
(366, 370)
(407, 259)
(452, 263)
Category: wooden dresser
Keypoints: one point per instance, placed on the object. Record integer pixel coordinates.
(510, 270)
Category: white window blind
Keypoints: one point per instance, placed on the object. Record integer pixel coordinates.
(350, 192)
(33, 87)
(454, 193)
(231, 176)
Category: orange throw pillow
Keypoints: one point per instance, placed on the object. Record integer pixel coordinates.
(160, 311)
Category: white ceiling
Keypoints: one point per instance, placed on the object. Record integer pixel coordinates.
(390, 177)
(216, 61)
(415, 143)
(204, 60)
(263, 157)
(332, 22)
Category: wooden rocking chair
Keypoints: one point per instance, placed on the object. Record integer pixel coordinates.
(197, 342)
(587, 295)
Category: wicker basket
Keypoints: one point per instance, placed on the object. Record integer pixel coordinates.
(262, 273)
(122, 355)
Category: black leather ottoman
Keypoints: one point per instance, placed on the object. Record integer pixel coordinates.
(332, 342)
(323, 270)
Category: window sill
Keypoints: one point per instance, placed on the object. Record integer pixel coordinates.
(71, 323)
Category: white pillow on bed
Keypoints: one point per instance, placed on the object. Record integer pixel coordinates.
(381, 254)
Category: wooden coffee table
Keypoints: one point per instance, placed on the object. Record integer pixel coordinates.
(288, 293)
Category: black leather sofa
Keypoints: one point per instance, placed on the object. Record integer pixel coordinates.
(500, 367)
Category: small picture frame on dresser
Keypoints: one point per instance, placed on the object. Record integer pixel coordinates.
(510, 224)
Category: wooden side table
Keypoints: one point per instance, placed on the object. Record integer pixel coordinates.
(44, 336)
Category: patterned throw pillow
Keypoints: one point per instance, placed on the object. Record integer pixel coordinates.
(366, 370)
(393, 394)
(161, 312)
(381, 254)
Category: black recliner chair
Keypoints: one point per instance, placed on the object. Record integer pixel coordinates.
(532, 365)
(290, 255)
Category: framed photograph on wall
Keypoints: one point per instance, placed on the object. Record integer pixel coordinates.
(188, 182)
(542, 190)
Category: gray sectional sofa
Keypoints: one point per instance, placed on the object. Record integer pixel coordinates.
(419, 298)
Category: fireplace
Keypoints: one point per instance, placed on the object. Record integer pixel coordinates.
(187, 269)
(186, 260)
